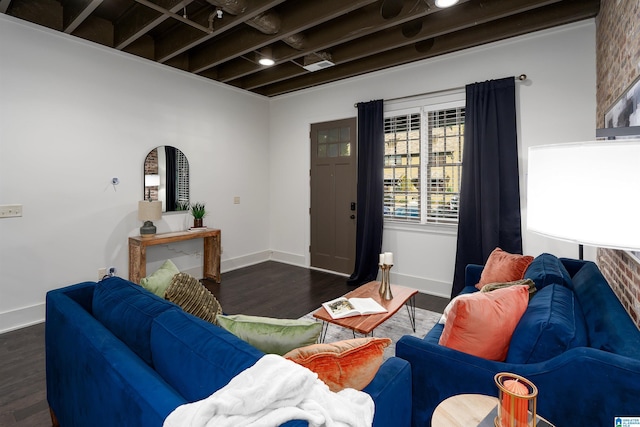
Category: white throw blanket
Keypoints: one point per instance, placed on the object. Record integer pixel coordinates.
(271, 392)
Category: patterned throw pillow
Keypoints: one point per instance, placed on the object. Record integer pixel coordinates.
(343, 364)
(499, 285)
(193, 297)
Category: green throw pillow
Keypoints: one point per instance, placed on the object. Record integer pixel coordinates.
(278, 336)
(160, 280)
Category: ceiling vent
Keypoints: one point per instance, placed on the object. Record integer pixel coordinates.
(317, 61)
(320, 65)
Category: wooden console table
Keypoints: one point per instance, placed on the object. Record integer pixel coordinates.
(138, 251)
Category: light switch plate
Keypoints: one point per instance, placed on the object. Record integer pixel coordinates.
(9, 211)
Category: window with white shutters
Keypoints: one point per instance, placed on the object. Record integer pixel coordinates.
(182, 198)
(423, 163)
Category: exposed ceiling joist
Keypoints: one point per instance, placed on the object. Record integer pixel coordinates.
(467, 16)
(4, 5)
(184, 39)
(294, 20)
(358, 24)
(139, 20)
(77, 12)
(223, 39)
(447, 43)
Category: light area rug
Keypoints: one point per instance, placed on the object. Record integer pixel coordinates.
(395, 328)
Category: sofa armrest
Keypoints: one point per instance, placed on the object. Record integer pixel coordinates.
(82, 294)
(92, 377)
(391, 393)
(472, 274)
(582, 386)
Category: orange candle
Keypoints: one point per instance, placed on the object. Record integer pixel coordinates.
(513, 408)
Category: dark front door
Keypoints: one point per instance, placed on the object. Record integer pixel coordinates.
(333, 195)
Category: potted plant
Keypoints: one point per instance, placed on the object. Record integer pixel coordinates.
(198, 212)
(182, 206)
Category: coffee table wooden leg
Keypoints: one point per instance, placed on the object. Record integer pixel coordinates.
(411, 309)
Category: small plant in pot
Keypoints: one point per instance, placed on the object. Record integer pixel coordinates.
(198, 212)
(183, 206)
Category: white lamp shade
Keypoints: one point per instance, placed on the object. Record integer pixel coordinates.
(149, 211)
(586, 193)
(151, 180)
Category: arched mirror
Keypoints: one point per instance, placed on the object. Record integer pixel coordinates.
(166, 178)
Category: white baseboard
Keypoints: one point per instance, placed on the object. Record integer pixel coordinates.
(422, 284)
(21, 317)
(244, 261)
(289, 258)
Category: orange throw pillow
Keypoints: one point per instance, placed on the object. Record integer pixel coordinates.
(343, 364)
(502, 266)
(482, 324)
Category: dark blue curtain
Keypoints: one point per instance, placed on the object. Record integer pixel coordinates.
(171, 177)
(489, 213)
(370, 180)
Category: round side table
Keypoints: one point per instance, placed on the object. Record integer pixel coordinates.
(466, 410)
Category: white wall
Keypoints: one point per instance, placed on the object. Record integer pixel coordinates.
(557, 104)
(73, 115)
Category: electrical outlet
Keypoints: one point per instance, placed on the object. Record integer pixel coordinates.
(236, 200)
(10, 211)
(101, 273)
(111, 271)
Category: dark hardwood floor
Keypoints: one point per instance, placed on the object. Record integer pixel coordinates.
(266, 289)
(282, 290)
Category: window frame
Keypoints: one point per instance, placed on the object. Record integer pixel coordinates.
(423, 105)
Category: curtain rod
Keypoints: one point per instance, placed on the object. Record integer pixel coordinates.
(520, 78)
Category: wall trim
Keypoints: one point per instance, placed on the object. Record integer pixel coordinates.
(289, 258)
(22, 317)
(422, 284)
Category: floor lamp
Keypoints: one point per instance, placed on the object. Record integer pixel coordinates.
(586, 193)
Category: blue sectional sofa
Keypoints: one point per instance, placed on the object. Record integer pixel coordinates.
(117, 355)
(575, 342)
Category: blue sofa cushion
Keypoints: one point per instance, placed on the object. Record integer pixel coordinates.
(196, 357)
(552, 324)
(127, 310)
(610, 327)
(547, 269)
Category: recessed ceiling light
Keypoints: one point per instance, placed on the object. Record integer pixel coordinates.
(266, 56)
(445, 3)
